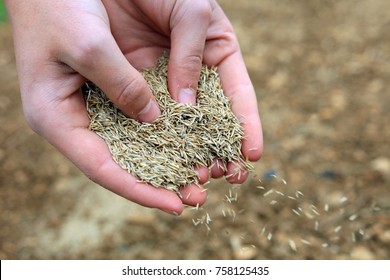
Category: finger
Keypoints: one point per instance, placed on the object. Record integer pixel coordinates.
(203, 174)
(222, 49)
(239, 89)
(100, 60)
(236, 174)
(218, 168)
(189, 24)
(193, 195)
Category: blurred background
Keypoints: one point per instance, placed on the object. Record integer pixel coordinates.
(321, 69)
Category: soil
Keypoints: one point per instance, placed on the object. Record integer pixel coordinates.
(321, 69)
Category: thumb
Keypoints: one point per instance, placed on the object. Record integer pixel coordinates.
(101, 61)
(189, 25)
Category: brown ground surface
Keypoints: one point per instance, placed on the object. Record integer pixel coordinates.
(322, 73)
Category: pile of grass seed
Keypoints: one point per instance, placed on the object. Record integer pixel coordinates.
(165, 152)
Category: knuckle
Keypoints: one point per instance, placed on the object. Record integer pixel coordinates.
(131, 96)
(34, 119)
(86, 51)
(189, 68)
(203, 10)
(193, 62)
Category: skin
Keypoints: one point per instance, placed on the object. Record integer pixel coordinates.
(61, 44)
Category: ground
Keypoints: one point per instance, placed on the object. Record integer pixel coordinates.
(321, 70)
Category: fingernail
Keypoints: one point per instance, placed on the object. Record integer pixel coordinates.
(174, 213)
(150, 112)
(187, 96)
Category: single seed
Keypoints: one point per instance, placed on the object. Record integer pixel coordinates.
(268, 192)
(293, 246)
(304, 241)
(353, 237)
(326, 207)
(296, 212)
(279, 193)
(353, 217)
(316, 226)
(343, 199)
(273, 202)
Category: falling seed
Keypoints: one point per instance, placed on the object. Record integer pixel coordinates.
(296, 212)
(316, 226)
(338, 228)
(304, 241)
(196, 223)
(228, 199)
(361, 231)
(298, 193)
(279, 193)
(315, 211)
(324, 244)
(353, 237)
(260, 187)
(273, 202)
(284, 181)
(233, 215)
(326, 207)
(353, 217)
(262, 231)
(375, 208)
(343, 199)
(293, 246)
(223, 213)
(269, 236)
(268, 192)
(291, 197)
(208, 219)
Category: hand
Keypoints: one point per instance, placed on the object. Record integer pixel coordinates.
(60, 44)
(194, 32)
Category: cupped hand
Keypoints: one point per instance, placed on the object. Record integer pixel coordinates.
(61, 44)
(194, 32)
